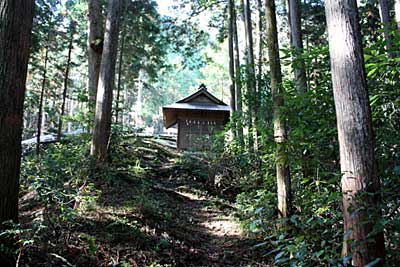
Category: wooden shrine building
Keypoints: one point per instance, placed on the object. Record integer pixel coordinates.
(198, 117)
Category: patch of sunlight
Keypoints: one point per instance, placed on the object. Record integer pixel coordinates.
(192, 196)
(223, 226)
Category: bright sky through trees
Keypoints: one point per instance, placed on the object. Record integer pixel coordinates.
(313, 88)
(164, 6)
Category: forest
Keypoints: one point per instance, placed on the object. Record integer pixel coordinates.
(293, 160)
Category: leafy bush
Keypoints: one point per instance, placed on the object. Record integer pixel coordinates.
(314, 233)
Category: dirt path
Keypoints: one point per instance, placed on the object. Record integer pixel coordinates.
(205, 224)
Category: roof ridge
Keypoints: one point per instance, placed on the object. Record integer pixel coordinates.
(202, 90)
(203, 87)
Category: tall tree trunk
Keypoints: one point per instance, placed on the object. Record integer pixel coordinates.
(360, 184)
(126, 103)
(251, 78)
(40, 111)
(299, 68)
(102, 120)
(66, 79)
(282, 168)
(397, 11)
(16, 18)
(72, 106)
(95, 47)
(119, 83)
(296, 40)
(258, 93)
(231, 56)
(259, 50)
(307, 43)
(385, 20)
(139, 99)
(238, 78)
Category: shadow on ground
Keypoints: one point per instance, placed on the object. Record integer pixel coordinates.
(152, 212)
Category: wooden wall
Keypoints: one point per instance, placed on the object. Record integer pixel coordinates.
(196, 132)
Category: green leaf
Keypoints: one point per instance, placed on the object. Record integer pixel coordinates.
(262, 244)
(373, 99)
(279, 255)
(372, 73)
(319, 253)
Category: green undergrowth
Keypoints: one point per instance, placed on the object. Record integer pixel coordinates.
(74, 213)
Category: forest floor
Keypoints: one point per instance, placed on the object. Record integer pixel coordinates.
(151, 209)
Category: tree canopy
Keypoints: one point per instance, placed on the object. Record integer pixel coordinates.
(305, 172)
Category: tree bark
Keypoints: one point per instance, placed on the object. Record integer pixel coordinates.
(238, 78)
(251, 78)
(360, 184)
(258, 73)
(385, 20)
(282, 169)
(95, 47)
(102, 120)
(259, 51)
(139, 99)
(40, 111)
(66, 79)
(296, 40)
(119, 83)
(231, 56)
(397, 13)
(16, 18)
